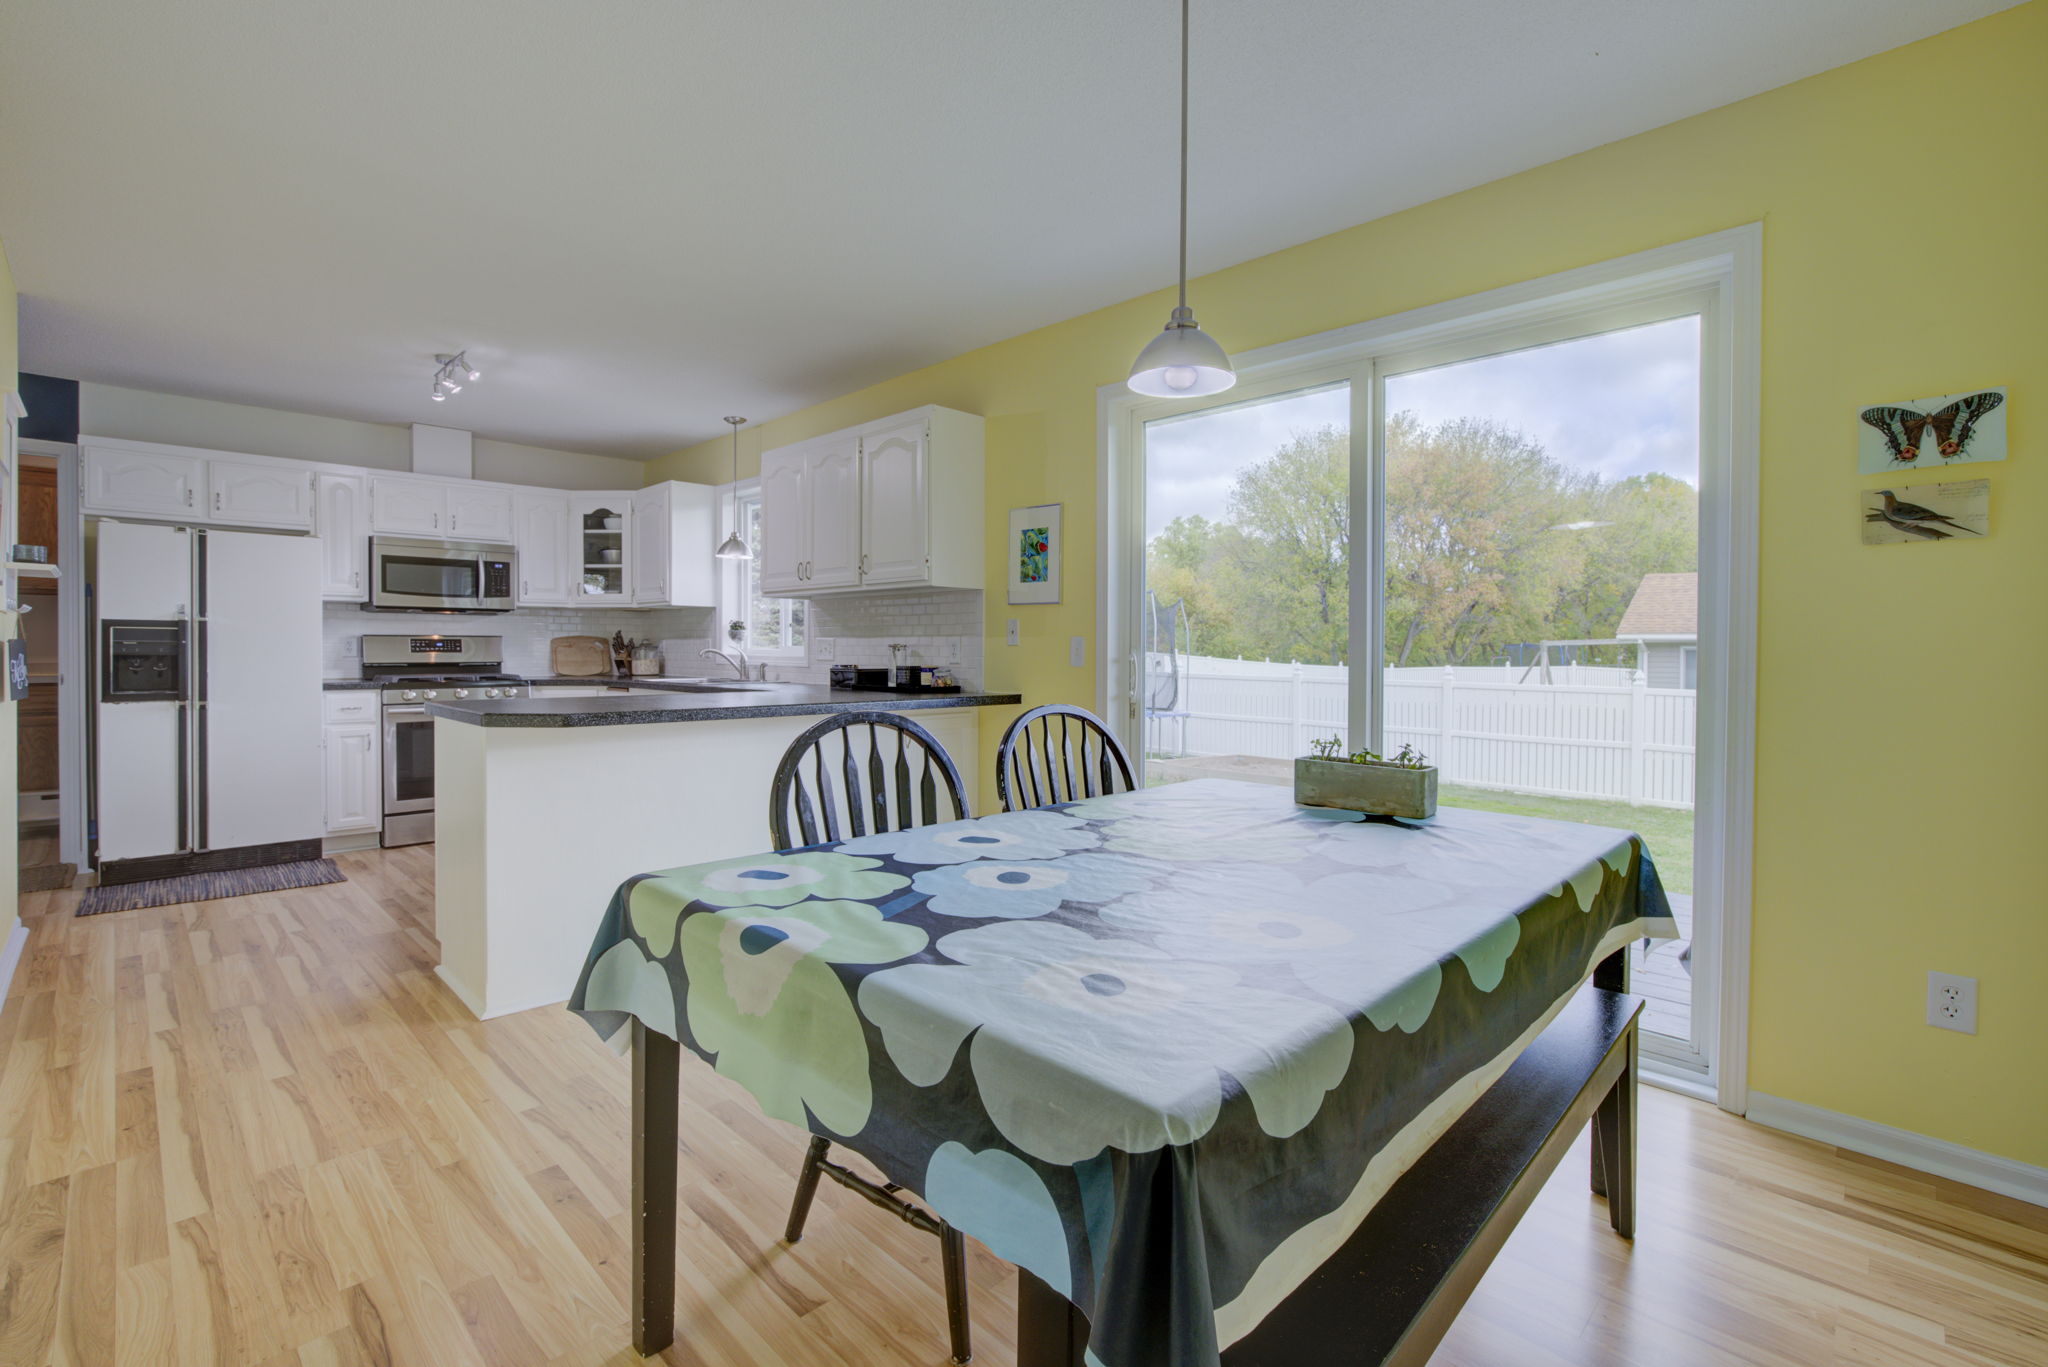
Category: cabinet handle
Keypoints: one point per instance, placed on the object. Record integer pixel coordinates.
(188, 498)
(217, 496)
(358, 577)
(522, 588)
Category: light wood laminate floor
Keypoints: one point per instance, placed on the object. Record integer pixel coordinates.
(260, 1131)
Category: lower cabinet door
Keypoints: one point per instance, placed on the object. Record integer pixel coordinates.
(354, 784)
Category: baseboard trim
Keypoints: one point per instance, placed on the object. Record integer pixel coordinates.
(475, 1005)
(10, 958)
(1973, 1167)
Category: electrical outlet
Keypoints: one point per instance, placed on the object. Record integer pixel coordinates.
(825, 648)
(1077, 652)
(1013, 632)
(1952, 1002)
(351, 647)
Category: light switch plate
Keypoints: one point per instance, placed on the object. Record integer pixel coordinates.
(1077, 652)
(1952, 1002)
(1013, 632)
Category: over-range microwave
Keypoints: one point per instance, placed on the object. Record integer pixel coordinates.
(420, 575)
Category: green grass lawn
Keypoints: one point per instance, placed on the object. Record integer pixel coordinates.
(1666, 830)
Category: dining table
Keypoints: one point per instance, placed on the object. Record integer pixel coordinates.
(1165, 1051)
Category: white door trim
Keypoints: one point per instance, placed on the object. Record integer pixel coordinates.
(74, 669)
(1728, 264)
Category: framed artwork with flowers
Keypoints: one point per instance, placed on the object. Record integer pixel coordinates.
(1034, 554)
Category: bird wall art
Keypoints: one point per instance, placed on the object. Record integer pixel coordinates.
(1949, 429)
(1958, 510)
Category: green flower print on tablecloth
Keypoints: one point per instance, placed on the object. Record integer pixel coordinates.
(1081, 1043)
(986, 891)
(1012, 835)
(764, 999)
(762, 880)
(1363, 939)
(1199, 822)
(999, 1199)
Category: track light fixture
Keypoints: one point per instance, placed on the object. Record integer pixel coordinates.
(454, 370)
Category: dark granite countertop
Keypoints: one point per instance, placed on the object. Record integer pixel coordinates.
(347, 686)
(756, 700)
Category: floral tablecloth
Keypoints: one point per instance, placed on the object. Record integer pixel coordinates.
(1164, 1049)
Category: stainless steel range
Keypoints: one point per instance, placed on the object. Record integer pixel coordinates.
(410, 672)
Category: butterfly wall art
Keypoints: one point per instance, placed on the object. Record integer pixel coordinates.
(1920, 434)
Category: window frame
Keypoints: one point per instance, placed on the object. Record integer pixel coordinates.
(733, 600)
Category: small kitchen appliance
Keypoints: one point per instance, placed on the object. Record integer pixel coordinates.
(415, 574)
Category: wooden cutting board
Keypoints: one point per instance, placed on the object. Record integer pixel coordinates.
(580, 657)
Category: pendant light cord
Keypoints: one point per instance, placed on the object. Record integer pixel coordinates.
(1183, 153)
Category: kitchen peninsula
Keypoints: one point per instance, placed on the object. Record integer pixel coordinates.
(544, 805)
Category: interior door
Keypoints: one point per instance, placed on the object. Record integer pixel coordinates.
(833, 499)
(895, 508)
(261, 706)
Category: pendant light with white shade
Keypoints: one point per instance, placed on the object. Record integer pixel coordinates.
(734, 546)
(1183, 361)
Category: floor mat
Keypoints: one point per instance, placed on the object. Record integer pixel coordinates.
(48, 877)
(205, 887)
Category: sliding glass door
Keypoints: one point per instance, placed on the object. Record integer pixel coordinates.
(1246, 619)
(1482, 542)
(1540, 611)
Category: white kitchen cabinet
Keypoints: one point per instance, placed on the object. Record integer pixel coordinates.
(540, 534)
(408, 507)
(833, 492)
(674, 529)
(122, 478)
(600, 542)
(810, 516)
(342, 522)
(248, 494)
(893, 504)
(785, 520)
(352, 770)
(479, 512)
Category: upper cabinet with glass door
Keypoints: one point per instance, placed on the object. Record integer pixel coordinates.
(599, 537)
(891, 504)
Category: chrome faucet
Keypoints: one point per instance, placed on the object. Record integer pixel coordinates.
(737, 659)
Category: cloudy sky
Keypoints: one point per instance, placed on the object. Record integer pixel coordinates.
(1622, 403)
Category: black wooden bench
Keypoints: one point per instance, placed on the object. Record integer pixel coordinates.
(1388, 1296)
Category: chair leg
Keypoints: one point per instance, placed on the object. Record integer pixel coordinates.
(806, 1188)
(953, 1254)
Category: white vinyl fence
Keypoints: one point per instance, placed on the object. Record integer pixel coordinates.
(1591, 732)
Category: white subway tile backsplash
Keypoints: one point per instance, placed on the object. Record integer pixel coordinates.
(937, 626)
(526, 632)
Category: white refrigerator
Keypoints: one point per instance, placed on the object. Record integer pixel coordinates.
(225, 772)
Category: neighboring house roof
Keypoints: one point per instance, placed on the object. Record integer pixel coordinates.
(1665, 605)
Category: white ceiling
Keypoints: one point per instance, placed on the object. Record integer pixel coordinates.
(640, 215)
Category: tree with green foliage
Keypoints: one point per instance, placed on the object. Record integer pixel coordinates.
(1490, 542)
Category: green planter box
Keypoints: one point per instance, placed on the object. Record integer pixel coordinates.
(1382, 789)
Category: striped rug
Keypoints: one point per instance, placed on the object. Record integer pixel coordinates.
(205, 887)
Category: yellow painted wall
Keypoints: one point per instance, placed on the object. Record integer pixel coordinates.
(1902, 733)
(10, 851)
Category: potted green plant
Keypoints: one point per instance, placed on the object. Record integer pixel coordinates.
(1403, 785)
